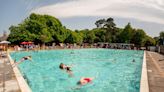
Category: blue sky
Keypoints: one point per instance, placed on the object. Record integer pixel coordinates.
(82, 14)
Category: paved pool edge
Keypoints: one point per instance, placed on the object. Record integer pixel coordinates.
(24, 87)
(144, 77)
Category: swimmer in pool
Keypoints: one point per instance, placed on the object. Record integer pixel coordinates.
(67, 68)
(22, 60)
(133, 60)
(84, 81)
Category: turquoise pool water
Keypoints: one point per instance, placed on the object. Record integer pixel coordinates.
(113, 69)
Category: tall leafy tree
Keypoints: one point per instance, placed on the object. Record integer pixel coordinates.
(40, 29)
(148, 41)
(74, 37)
(100, 23)
(110, 27)
(138, 37)
(127, 34)
(161, 38)
(99, 35)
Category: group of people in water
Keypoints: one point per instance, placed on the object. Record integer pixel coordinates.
(67, 68)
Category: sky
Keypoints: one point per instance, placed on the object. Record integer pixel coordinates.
(82, 14)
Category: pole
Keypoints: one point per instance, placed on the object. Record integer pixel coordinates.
(4, 65)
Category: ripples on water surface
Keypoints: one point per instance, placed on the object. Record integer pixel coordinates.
(113, 69)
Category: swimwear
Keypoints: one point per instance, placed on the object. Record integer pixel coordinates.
(25, 58)
(68, 69)
(88, 79)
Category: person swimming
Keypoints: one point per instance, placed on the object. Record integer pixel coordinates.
(64, 67)
(84, 81)
(22, 60)
(67, 68)
(26, 58)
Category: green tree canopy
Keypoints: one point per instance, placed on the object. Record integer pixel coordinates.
(148, 41)
(127, 34)
(47, 29)
(138, 37)
(40, 29)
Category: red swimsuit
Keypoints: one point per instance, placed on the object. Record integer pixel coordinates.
(88, 79)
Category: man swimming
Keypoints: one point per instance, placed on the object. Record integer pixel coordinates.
(67, 68)
(22, 60)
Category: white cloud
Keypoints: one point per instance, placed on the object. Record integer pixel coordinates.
(144, 10)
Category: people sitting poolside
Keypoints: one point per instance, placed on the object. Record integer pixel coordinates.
(22, 60)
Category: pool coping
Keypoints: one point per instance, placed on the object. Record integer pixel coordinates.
(144, 78)
(24, 87)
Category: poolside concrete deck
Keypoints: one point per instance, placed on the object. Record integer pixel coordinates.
(155, 66)
(8, 82)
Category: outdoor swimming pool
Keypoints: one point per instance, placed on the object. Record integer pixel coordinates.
(113, 69)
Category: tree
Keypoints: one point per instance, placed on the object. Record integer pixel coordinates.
(127, 34)
(39, 29)
(45, 36)
(99, 35)
(47, 29)
(161, 38)
(100, 23)
(118, 35)
(157, 40)
(88, 36)
(148, 41)
(138, 37)
(161, 35)
(19, 34)
(110, 27)
(74, 38)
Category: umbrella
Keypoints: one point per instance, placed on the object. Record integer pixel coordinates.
(30, 42)
(24, 42)
(5, 42)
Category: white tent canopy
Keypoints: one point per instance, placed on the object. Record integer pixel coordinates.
(5, 42)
